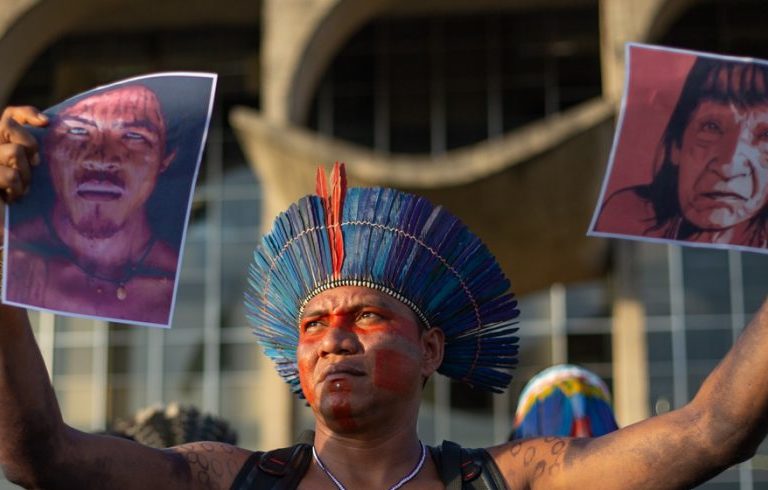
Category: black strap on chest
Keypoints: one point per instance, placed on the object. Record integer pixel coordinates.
(466, 469)
(283, 469)
(279, 469)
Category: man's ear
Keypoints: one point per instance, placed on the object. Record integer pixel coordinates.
(433, 347)
(167, 161)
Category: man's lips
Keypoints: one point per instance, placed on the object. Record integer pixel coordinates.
(723, 196)
(99, 186)
(99, 191)
(340, 370)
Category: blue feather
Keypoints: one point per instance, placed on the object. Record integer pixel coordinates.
(407, 246)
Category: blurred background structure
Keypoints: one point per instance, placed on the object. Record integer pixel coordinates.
(501, 110)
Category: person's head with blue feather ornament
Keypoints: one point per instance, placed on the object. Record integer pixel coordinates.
(359, 295)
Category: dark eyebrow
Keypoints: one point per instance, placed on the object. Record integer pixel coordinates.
(312, 313)
(139, 123)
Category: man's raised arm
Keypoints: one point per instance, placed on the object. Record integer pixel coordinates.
(37, 449)
(723, 425)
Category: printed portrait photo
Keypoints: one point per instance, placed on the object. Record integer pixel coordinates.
(100, 233)
(689, 162)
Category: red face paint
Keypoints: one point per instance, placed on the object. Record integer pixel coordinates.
(393, 371)
(342, 413)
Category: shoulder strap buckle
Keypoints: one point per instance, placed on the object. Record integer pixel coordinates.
(279, 462)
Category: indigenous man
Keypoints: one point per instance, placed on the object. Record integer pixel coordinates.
(95, 252)
(359, 297)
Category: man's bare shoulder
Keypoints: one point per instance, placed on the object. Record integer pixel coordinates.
(32, 231)
(162, 256)
(212, 464)
(30, 251)
(626, 212)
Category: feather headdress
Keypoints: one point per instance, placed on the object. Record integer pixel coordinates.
(564, 400)
(394, 242)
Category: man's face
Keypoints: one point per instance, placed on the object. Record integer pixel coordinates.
(723, 165)
(105, 153)
(359, 350)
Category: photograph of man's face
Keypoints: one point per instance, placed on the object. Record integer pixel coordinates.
(105, 154)
(723, 164)
(690, 157)
(101, 231)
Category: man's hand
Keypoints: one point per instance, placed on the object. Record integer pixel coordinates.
(18, 150)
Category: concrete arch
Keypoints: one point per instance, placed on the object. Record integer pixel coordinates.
(27, 29)
(336, 26)
(666, 14)
(330, 26)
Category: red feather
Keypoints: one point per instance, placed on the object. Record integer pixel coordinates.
(320, 186)
(334, 206)
(338, 191)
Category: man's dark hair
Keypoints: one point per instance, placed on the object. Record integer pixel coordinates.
(733, 82)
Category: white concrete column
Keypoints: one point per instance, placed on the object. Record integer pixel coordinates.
(622, 21)
(630, 356)
(299, 40)
(288, 26)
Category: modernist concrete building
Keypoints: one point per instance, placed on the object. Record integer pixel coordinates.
(501, 110)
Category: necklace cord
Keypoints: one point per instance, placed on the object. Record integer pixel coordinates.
(410, 476)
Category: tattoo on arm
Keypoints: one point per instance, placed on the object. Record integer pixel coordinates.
(212, 466)
(540, 457)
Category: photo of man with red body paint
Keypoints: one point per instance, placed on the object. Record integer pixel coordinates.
(710, 184)
(92, 250)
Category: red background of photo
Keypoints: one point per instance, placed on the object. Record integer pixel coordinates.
(656, 78)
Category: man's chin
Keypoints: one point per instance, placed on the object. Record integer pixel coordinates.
(97, 229)
(718, 219)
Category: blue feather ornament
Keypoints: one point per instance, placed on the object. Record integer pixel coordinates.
(397, 243)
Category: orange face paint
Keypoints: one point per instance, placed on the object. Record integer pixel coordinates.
(305, 378)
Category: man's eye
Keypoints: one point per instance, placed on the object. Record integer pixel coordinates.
(134, 136)
(370, 315)
(712, 127)
(311, 325)
(77, 131)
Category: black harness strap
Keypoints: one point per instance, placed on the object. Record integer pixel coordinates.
(283, 469)
(450, 465)
(280, 469)
(245, 476)
(466, 469)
